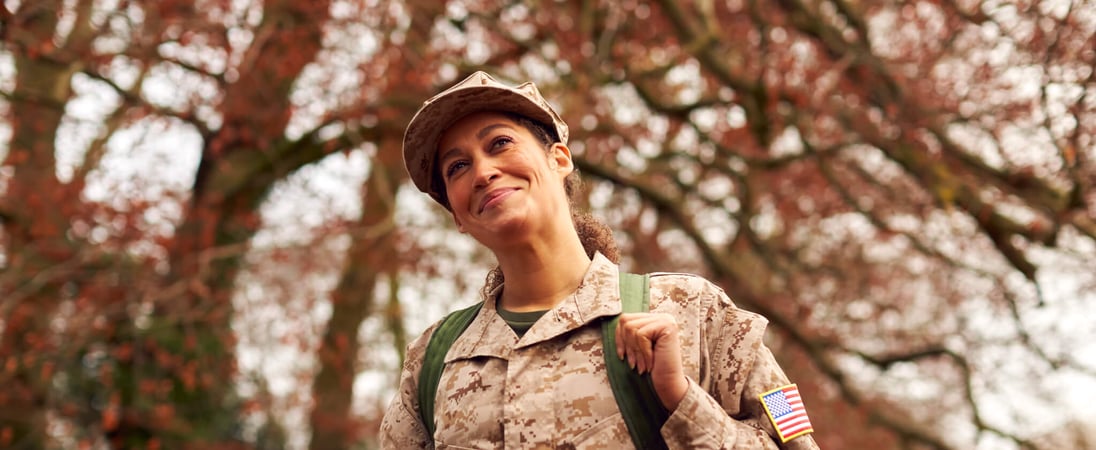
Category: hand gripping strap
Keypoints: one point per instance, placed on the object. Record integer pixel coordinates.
(639, 404)
(433, 361)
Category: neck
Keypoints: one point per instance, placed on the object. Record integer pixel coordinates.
(540, 275)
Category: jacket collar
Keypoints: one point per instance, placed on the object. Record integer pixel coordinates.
(596, 297)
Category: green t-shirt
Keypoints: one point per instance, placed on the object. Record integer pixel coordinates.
(521, 321)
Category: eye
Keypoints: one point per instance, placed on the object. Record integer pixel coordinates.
(500, 142)
(455, 167)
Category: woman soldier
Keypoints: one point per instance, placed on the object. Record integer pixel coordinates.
(529, 371)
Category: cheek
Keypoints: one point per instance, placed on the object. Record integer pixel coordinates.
(452, 195)
(460, 193)
(537, 164)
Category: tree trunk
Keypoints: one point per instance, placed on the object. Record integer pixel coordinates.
(371, 254)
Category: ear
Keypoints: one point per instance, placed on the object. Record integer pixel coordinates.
(559, 158)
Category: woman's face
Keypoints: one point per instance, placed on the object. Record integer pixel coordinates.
(500, 180)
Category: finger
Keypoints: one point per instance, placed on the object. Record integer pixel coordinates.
(626, 344)
(644, 348)
(637, 337)
(631, 348)
(649, 333)
(644, 353)
(624, 341)
(635, 344)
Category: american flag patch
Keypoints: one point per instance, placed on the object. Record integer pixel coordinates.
(786, 411)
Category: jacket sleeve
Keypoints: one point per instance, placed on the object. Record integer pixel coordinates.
(723, 409)
(401, 427)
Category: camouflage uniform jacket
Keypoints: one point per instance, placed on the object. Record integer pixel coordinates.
(549, 388)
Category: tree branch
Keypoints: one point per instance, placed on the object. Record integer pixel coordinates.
(132, 97)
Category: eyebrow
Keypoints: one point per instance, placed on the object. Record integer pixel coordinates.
(479, 135)
(487, 129)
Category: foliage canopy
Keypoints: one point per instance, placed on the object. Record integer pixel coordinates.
(192, 190)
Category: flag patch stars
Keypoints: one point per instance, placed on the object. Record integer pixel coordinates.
(786, 411)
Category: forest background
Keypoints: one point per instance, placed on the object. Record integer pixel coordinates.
(207, 238)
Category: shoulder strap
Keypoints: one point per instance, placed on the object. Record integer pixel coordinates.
(433, 361)
(639, 404)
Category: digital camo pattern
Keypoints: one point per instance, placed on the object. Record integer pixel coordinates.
(550, 390)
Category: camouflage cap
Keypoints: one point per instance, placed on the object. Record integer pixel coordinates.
(478, 92)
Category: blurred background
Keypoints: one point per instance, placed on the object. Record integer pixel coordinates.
(208, 240)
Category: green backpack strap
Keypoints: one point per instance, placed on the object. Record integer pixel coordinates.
(639, 404)
(433, 361)
(636, 398)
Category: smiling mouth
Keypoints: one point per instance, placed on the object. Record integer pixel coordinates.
(493, 198)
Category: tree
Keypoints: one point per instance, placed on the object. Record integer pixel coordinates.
(161, 357)
(903, 188)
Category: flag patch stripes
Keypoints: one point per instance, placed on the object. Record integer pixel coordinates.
(786, 411)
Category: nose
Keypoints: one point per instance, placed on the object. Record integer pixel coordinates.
(484, 171)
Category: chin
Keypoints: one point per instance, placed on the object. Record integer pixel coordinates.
(502, 230)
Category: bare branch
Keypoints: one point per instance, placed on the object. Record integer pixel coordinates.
(132, 97)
